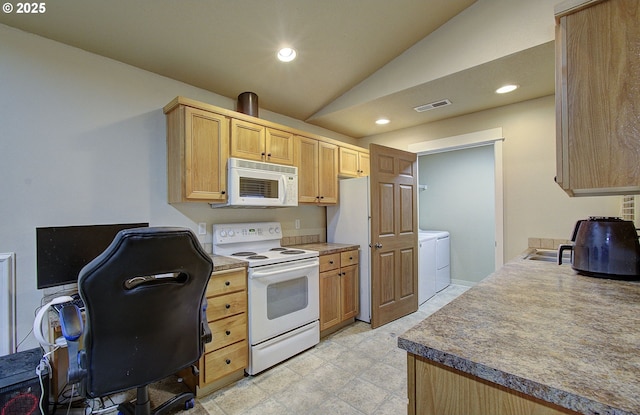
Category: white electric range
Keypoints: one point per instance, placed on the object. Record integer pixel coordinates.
(283, 290)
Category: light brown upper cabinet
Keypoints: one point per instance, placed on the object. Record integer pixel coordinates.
(317, 163)
(598, 97)
(353, 163)
(256, 142)
(197, 152)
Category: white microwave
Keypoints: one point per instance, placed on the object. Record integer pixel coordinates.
(258, 184)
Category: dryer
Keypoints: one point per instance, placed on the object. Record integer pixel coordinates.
(427, 267)
(443, 257)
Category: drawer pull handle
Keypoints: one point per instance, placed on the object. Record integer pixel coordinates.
(227, 306)
(228, 332)
(227, 283)
(228, 361)
(350, 258)
(331, 262)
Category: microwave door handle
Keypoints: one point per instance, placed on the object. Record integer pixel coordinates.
(283, 186)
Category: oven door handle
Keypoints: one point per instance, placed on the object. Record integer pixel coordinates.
(264, 275)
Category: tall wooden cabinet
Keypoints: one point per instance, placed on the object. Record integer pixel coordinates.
(197, 152)
(338, 288)
(598, 97)
(317, 163)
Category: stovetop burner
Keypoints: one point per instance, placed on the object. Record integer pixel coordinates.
(292, 252)
(257, 257)
(278, 249)
(245, 253)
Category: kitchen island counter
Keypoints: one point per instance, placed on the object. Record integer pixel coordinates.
(539, 331)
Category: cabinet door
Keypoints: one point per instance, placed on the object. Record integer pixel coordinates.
(329, 298)
(597, 99)
(348, 162)
(363, 163)
(349, 291)
(279, 147)
(205, 156)
(247, 140)
(328, 173)
(307, 163)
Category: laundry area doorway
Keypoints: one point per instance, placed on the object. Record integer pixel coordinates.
(460, 191)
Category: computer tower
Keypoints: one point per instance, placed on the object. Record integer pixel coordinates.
(20, 390)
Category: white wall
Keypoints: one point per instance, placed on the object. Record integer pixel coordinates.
(83, 141)
(460, 198)
(534, 205)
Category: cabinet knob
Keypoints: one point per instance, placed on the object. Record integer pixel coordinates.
(331, 262)
(227, 306)
(222, 192)
(228, 361)
(228, 332)
(227, 283)
(263, 154)
(350, 258)
(268, 154)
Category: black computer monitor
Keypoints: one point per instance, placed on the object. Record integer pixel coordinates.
(63, 251)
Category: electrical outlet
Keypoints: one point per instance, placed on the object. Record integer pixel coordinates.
(297, 223)
(202, 228)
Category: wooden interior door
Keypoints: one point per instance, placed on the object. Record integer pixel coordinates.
(394, 234)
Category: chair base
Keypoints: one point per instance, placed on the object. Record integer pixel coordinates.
(142, 406)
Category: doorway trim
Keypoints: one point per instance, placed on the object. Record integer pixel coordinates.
(489, 137)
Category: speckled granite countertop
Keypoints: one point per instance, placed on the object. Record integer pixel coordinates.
(222, 263)
(325, 248)
(543, 330)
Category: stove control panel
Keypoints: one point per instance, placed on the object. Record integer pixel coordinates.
(246, 232)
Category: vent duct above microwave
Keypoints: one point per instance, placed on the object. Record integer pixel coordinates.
(432, 105)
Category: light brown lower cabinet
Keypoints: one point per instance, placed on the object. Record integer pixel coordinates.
(227, 355)
(338, 290)
(435, 389)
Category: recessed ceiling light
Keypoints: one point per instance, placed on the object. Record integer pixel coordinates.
(506, 88)
(382, 121)
(287, 54)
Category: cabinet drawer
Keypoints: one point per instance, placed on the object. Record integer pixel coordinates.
(227, 331)
(227, 282)
(349, 258)
(226, 305)
(226, 360)
(329, 262)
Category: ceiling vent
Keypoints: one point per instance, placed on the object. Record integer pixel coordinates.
(433, 105)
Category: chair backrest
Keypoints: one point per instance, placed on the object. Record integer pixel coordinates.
(140, 329)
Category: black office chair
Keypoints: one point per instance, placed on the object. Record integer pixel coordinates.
(145, 313)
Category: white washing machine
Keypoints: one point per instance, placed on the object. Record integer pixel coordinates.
(427, 267)
(443, 258)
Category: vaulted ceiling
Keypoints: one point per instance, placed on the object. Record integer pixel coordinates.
(229, 46)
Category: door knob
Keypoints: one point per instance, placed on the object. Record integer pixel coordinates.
(378, 245)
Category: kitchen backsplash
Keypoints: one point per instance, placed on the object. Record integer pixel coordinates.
(298, 240)
(546, 243)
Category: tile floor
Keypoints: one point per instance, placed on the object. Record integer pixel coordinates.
(352, 372)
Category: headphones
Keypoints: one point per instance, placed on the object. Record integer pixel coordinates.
(37, 323)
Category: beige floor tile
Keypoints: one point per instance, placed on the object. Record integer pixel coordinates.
(356, 371)
(364, 396)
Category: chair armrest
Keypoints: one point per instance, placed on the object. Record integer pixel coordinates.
(72, 329)
(207, 337)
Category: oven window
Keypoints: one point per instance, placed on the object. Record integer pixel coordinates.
(253, 187)
(287, 297)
